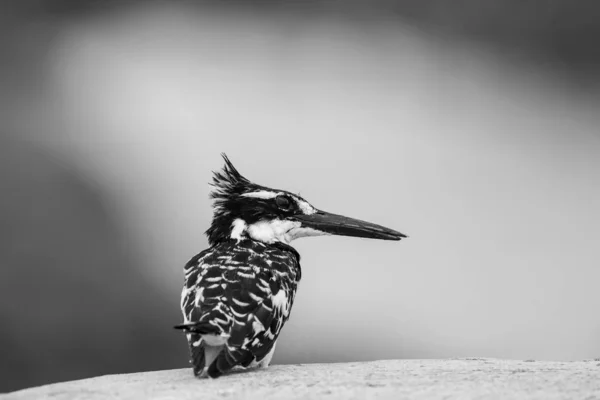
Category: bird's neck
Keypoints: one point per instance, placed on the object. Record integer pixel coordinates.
(259, 247)
(220, 229)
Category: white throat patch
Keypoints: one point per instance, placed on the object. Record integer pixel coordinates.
(272, 231)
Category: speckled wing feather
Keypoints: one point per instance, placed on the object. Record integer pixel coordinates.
(243, 293)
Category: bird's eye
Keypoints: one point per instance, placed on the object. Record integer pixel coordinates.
(283, 202)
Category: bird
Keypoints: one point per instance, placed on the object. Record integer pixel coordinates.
(238, 293)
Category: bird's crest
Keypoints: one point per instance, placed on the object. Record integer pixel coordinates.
(227, 183)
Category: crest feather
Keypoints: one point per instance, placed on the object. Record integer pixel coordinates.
(227, 181)
(227, 185)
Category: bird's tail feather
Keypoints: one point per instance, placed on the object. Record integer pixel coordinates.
(198, 359)
(222, 364)
(202, 328)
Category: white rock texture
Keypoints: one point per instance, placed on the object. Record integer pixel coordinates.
(472, 378)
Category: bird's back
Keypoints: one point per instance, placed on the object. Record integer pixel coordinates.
(237, 296)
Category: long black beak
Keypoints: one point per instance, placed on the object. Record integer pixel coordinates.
(344, 226)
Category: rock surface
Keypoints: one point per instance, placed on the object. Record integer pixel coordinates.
(391, 379)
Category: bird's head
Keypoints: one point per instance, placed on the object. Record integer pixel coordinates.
(243, 209)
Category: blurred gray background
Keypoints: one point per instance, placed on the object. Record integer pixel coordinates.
(472, 126)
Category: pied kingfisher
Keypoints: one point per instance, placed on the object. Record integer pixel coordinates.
(238, 293)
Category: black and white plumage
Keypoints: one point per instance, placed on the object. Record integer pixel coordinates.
(239, 293)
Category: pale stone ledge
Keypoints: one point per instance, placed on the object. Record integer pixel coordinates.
(390, 379)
